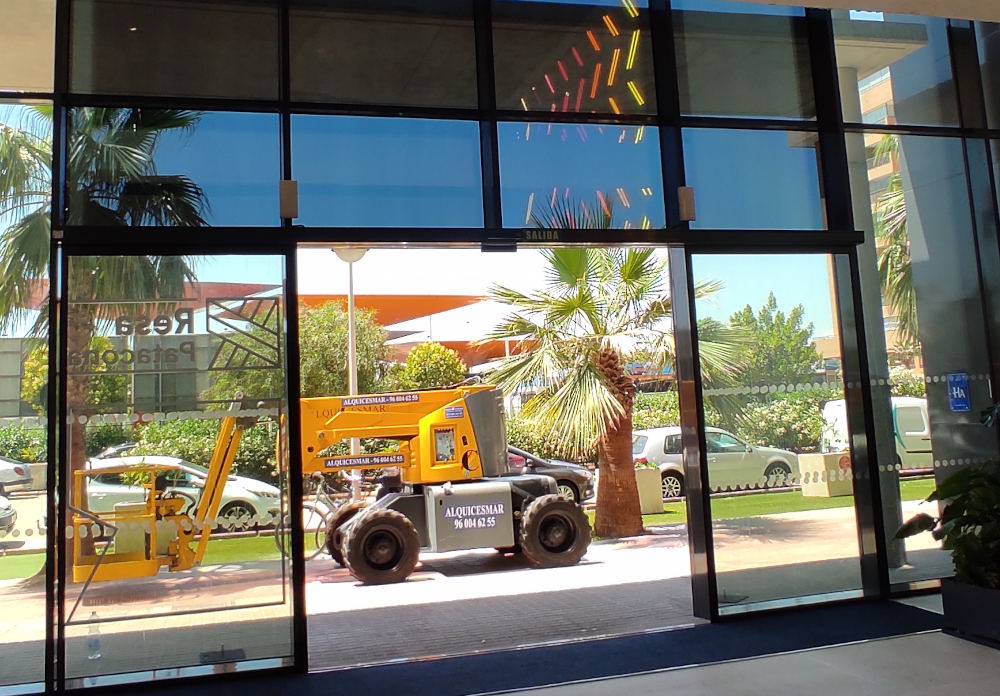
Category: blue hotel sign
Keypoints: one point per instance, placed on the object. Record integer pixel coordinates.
(958, 392)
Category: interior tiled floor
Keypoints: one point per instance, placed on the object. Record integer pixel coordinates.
(924, 664)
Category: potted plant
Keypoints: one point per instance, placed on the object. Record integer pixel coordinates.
(969, 526)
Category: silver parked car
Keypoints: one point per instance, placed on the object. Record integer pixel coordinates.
(13, 474)
(246, 502)
(733, 464)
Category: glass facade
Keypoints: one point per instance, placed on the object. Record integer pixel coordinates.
(830, 161)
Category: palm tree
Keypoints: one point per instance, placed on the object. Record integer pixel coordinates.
(111, 180)
(895, 268)
(599, 307)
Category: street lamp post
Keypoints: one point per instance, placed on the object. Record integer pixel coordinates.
(352, 255)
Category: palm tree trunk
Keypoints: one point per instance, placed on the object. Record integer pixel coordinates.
(618, 512)
(80, 328)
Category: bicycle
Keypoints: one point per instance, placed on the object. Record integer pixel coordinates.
(316, 512)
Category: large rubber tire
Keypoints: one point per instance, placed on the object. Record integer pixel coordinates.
(334, 535)
(554, 532)
(382, 547)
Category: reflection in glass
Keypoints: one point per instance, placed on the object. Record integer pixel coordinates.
(739, 59)
(912, 201)
(574, 175)
(894, 69)
(580, 57)
(211, 48)
(171, 167)
(160, 522)
(384, 52)
(754, 179)
(782, 500)
(988, 36)
(403, 172)
(27, 45)
(25, 160)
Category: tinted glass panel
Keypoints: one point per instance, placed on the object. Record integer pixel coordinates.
(27, 34)
(25, 160)
(587, 56)
(387, 171)
(571, 175)
(783, 520)
(197, 48)
(912, 199)
(988, 34)
(186, 168)
(769, 179)
(384, 52)
(894, 69)
(739, 59)
(167, 553)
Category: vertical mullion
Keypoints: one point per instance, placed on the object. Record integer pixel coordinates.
(704, 589)
(488, 140)
(668, 109)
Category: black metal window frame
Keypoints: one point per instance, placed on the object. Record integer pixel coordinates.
(283, 238)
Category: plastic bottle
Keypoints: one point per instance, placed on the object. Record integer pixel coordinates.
(94, 638)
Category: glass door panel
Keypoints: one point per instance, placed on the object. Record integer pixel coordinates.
(779, 466)
(175, 392)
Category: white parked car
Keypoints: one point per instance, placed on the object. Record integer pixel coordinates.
(246, 502)
(733, 464)
(13, 475)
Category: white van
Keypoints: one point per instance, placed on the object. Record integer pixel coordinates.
(912, 431)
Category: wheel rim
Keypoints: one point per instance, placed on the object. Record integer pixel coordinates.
(383, 549)
(777, 476)
(556, 533)
(670, 487)
(237, 517)
(566, 491)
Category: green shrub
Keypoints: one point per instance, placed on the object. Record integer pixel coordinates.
(23, 444)
(905, 383)
(788, 421)
(100, 437)
(194, 441)
(527, 436)
(661, 409)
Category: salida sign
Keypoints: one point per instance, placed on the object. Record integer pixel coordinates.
(181, 355)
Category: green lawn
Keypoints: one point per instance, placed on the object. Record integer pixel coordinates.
(754, 504)
(21, 565)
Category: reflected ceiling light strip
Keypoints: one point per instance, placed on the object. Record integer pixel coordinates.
(640, 133)
(524, 104)
(549, 83)
(583, 132)
(527, 132)
(632, 47)
(627, 225)
(604, 203)
(645, 223)
(597, 78)
(621, 137)
(564, 135)
(614, 106)
(562, 70)
(609, 23)
(593, 40)
(538, 99)
(630, 8)
(579, 92)
(623, 197)
(646, 191)
(555, 192)
(635, 93)
(576, 54)
(613, 70)
(565, 102)
(531, 203)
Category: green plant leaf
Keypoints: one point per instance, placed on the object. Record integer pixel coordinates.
(915, 525)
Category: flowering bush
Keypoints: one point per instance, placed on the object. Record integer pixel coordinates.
(23, 444)
(789, 421)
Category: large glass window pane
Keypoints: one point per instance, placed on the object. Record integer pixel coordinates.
(403, 172)
(384, 52)
(172, 167)
(894, 69)
(183, 48)
(27, 45)
(740, 59)
(174, 532)
(783, 520)
(920, 285)
(590, 56)
(988, 35)
(25, 157)
(561, 175)
(754, 179)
